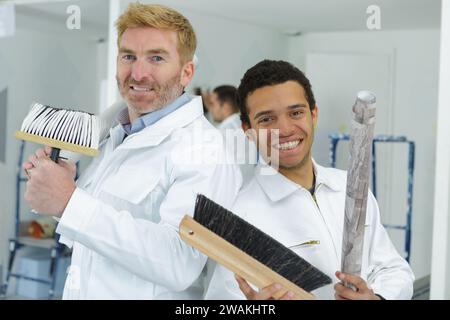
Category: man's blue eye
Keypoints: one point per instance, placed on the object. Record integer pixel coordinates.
(157, 58)
(128, 57)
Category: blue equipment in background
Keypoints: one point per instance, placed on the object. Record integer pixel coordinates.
(334, 140)
(20, 241)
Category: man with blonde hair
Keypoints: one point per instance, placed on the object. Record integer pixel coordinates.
(121, 217)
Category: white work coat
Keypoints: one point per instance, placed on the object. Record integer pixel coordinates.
(288, 213)
(232, 122)
(123, 218)
(239, 147)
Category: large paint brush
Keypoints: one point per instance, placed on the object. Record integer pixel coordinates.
(358, 176)
(70, 130)
(248, 251)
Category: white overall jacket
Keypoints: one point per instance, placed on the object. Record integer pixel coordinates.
(122, 219)
(313, 229)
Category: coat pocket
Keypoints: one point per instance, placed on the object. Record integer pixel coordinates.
(304, 244)
(307, 247)
(131, 184)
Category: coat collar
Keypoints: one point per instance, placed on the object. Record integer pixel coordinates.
(156, 133)
(233, 121)
(277, 187)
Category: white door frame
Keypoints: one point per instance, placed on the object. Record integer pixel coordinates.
(440, 279)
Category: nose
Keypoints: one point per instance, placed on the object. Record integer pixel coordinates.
(140, 70)
(286, 126)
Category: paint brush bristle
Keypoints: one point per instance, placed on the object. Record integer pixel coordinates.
(71, 130)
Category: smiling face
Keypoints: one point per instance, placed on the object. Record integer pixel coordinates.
(149, 72)
(284, 107)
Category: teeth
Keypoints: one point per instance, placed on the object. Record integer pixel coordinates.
(141, 89)
(288, 145)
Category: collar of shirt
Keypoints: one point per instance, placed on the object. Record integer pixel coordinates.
(277, 186)
(148, 119)
(232, 122)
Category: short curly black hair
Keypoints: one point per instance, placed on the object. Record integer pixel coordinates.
(269, 73)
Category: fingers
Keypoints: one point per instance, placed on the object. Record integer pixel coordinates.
(357, 281)
(266, 293)
(40, 153)
(287, 296)
(245, 288)
(67, 164)
(344, 293)
(41, 158)
(27, 173)
(339, 297)
(33, 160)
(48, 150)
(27, 165)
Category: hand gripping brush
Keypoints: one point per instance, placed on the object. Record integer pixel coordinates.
(247, 251)
(70, 130)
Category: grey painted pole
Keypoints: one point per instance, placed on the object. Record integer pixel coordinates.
(358, 176)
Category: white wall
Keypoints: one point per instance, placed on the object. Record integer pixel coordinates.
(413, 57)
(4, 209)
(48, 63)
(227, 48)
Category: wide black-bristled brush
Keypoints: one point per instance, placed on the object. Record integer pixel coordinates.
(247, 251)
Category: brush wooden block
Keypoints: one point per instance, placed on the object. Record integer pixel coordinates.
(56, 143)
(235, 259)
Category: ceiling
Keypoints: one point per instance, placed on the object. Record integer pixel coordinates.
(286, 16)
(94, 13)
(294, 16)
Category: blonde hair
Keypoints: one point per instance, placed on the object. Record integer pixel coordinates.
(160, 17)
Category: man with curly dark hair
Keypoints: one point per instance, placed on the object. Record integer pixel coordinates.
(300, 203)
(269, 73)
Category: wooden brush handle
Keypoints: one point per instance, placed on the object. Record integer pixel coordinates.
(235, 259)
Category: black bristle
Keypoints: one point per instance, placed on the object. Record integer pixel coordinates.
(258, 244)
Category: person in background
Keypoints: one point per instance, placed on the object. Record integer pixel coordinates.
(224, 107)
(225, 111)
(206, 99)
